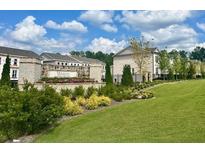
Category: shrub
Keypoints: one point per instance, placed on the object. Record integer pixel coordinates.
(66, 92)
(43, 108)
(92, 103)
(11, 115)
(117, 96)
(107, 90)
(127, 79)
(126, 93)
(90, 91)
(78, 91)
(71, 108)
(104, 101)
(142, 95)
(80, 101)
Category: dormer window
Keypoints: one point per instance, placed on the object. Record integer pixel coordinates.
(15, 62)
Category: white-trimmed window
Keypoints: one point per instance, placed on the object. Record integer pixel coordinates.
(14, 74)
(15, 62)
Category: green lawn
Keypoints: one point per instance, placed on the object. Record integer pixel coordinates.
(177, 114)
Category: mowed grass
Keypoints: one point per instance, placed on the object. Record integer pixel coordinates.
(177, 114)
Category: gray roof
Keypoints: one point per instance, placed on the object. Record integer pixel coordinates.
(88, 60)
(18, 52)
(57, 56)
(152, 50)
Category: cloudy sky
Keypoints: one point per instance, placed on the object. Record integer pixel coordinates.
(107, 31)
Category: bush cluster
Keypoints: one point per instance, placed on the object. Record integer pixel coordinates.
(28, 111)
(71, 108)
(93, 102)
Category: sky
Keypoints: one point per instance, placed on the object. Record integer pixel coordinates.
(106, 31)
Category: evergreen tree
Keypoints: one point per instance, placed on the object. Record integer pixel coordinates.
(127, 79)
(108, 76)
(5, 76)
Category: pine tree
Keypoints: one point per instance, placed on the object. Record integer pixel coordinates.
(5, 76)
(127, 79)
(108, 76)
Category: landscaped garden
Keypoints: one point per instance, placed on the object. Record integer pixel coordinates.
(32, 111)
(175, 115)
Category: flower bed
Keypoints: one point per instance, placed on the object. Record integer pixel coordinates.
(67, 80)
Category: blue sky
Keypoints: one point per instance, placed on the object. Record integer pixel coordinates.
(107, 31)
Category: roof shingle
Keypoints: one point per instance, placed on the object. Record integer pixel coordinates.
(18, 52)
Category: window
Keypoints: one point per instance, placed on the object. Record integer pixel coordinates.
(62, 64)
(156, 59)
(66, 64)
(15, 62)
(157, 71)
(58, 63)
(14, 74)
(0, 60)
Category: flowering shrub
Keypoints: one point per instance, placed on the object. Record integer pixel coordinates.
(92, 102)
(142, 95)
(71, 108)
(80, 101)
(104, 101)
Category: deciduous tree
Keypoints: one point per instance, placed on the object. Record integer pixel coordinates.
(141, 55)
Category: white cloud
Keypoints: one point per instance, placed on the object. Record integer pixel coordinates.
(106, 45)
(28, 30)
(70, 26)
(109, 28)
(150, 20)
(201, 26)
(97, 17)
(174, 36)
(101, 19)
(28, 35)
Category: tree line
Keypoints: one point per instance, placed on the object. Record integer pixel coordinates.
(181, 65)
(104, 57)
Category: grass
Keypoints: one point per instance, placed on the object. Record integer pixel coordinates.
(177, 114)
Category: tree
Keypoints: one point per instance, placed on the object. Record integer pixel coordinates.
(198, 54)
(202, 68)
(127, 79)
(192, 70)
(176, 64)
(183, 53)
(163, 61)
(141, 55)
(108, 76)
(170, 72)
(5, 76)
(184, 67)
